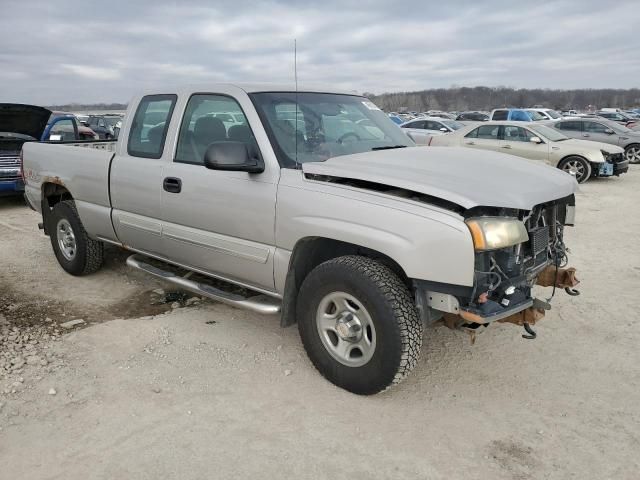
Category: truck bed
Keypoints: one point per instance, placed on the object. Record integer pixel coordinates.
(82, 168)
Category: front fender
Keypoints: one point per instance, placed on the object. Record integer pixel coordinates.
(427, 242)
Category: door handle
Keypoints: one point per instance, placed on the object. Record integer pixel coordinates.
(470, 143)
(506, 146)
(172, 185)
(586, 135)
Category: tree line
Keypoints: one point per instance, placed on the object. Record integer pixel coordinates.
(487, 98)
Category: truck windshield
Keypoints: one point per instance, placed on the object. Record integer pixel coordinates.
(324, 125)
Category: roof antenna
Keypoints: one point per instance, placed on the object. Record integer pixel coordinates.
(295, 77)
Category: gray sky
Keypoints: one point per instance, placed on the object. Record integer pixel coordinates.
(83, 51)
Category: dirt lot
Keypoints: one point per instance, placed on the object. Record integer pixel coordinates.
(206, 391)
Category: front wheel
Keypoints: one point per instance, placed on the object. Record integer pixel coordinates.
(359, 324)
(576, 166)
(632, 153)
(77, 254)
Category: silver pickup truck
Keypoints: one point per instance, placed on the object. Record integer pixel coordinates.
(314, 205)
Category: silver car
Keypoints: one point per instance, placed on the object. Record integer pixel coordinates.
(420, 130)
(605, 131)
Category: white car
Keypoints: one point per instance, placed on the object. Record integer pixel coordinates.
(534, 141)
(420, 130)
(547, 113)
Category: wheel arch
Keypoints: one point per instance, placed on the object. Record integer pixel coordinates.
(53, 192)
(309, 252)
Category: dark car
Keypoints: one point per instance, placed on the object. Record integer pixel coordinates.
(618, 117)
(473, 117)
(104, 125)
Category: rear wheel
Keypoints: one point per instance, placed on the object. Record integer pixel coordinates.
(632, 153)
(76, 252)
(359, 324)
(576, 166)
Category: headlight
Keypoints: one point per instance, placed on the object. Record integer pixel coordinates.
(490, 233)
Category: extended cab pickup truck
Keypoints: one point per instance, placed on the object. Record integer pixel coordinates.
(360, 240)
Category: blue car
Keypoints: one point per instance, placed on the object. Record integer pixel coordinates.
(395, 119)
(29, 123)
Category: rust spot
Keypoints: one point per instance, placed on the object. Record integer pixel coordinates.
(529, 315)
(562, 278)
(55, 180)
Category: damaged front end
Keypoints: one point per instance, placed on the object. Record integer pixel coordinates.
(515, 250)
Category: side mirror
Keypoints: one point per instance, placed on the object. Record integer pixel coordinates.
(608, 131)
(444, 130)
(232, 157)
(535, 140)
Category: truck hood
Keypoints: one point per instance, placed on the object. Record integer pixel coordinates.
(23, 119)
(466, 177)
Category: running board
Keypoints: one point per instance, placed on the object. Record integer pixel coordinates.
(259, 303)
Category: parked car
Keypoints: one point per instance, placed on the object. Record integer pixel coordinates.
(515, 115)
(569, 113)
(361, 242)
(581, 158)
(421, 129)
(618, 117)
(605, 131)
(473, 117)
(546, 113)
(104, 125)
(64, 126)
(396, 119)
(20, 124)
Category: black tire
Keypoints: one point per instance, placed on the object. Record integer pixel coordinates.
(88, 254)
(581, 164)
(632, 153)
(391, 309)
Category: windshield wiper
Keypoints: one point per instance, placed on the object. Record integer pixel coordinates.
(388, 147)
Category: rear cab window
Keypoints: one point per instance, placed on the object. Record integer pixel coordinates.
(150, 124)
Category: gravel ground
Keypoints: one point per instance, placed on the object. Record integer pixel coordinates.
(142, 390)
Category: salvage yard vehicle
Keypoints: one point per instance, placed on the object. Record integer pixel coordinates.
(360, 241)
(605, 131)
(422, 129)
(534, 141)
(20, 124)
(516, 115)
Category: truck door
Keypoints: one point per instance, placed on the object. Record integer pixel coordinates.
(136, 175)
(221, 222)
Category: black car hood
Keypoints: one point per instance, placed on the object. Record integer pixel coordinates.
(23, 119)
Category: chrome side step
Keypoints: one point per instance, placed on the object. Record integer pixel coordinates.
(259, 303)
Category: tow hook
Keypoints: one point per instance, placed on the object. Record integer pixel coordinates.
(531, 334)
(572, 291)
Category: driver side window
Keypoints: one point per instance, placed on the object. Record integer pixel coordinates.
(209, 119)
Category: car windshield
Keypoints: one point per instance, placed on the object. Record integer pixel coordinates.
(313, 127)
(452, 124)
(549, 133)
(616, 127)
(553, 114)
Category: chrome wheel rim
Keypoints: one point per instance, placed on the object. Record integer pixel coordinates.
(66, 239)
(575, 168)
(346, 329)
(633, 154)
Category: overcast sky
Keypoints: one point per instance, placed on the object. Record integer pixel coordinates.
(83, 51)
